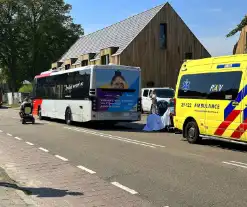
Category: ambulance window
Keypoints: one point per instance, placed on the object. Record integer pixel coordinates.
(216, 86)
(224, 86)
(193, 86)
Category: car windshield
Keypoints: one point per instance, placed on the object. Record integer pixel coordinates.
(165, 93)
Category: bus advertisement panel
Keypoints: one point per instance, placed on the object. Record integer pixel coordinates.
(117, 90)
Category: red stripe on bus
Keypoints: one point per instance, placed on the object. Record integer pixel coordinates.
(240, 130)
(43, 75)
(223, 126)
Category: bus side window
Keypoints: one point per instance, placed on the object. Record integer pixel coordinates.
(82, 85)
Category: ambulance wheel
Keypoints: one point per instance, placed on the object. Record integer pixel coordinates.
(68, 116)
(192, 132)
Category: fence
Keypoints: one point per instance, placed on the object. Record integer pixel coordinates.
(16, 99)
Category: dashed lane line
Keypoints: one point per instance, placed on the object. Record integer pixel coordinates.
(18, 138)
(61, 158)
(1, 131)
(124, 188)
(43, 149)
(109, 136)
(10, 135)
(236, 164)
(86, 169)
(29, 143)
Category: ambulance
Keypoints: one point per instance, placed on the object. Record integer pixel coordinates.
(210, 99)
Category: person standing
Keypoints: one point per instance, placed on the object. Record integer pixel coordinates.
(154, 103)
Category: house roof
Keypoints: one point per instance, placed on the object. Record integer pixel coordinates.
(119, 35)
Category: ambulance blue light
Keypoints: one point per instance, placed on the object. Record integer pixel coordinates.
(234, 65)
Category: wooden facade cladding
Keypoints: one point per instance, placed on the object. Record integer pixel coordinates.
(240, 47)
(67, 64)
(88, 56)
(161, 65)
(56, 65)
(115, 59)
(108, 51)
(95, 62)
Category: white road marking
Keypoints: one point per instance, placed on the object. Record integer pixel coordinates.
(1, 131)
(86, 169)
(237, 164)
(241, 163)
(115, 138)
(9, 134)
(145, 144)
(18, 138)
(124, 188)
(61, 158)
(43, 149)
(29, 143)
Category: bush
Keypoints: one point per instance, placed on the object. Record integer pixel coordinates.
(26, 89)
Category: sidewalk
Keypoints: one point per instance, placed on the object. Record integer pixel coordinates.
(53, 182)
(11, 196)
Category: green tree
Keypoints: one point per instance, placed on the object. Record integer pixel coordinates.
(11, 37)
(33, 34)
(27, 88)
(239, 27)
(50, 32)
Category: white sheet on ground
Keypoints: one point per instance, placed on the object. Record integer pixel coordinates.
(156, 122)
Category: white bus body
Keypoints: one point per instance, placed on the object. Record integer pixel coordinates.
(91, 93)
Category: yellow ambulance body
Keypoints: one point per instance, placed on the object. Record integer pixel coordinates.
(211, 99)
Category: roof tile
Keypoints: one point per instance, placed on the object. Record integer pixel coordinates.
(119, 35)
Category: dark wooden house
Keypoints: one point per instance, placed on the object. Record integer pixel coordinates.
(241, 45)
(156, 40)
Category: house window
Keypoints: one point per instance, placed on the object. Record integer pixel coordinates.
(84, 63)
(67, 66)
(105, 59)
(163, 36)
(188, 55)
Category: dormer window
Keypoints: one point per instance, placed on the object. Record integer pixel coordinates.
(84, 63)
(105, 59)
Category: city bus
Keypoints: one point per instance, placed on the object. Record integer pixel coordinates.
(109, 93)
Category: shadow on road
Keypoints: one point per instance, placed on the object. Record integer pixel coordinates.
(4, 107)
(41, 192)
(121, 126)
(223, 145)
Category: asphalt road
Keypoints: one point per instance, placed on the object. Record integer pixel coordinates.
(162, 167)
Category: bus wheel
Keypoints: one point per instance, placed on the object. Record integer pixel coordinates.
(40, 114)
(68, 116)
(192, 132)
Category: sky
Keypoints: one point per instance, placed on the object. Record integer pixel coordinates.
(209, 20)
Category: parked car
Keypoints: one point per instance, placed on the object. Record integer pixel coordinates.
(162, 94)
